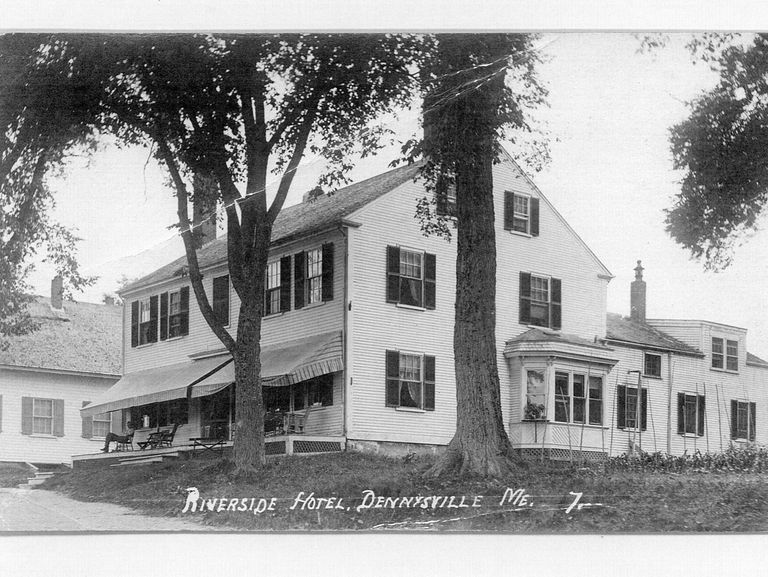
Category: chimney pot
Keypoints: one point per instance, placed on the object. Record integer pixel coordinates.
(57, 292)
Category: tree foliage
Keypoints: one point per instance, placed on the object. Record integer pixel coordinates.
(223, 112)
(722, 149)
(41, 123)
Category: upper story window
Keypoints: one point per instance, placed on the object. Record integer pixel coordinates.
(445, 198)
(652, 365)
(725, 354)
(313, 276)
(411, 277)
(221, 299)
(174, 313)
(144, 321)
(410, 380)
(277, 293)
(521, 213)
(540, 301)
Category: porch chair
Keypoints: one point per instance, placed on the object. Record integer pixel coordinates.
(126, 445)
(166, 437)
(298, 423)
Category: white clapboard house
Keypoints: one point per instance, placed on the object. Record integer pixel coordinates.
(358, 337)
(48, 375)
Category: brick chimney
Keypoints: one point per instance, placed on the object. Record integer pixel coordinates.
(637, 295)
(57, 292)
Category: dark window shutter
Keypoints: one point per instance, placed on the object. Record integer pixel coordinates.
(430, 281)
(285, 284)
(701, 413)
(135, 324)
(87, 424)
(509, 209)
(621, 407)
(393, 379)
(681, 413)
(752, 420)
(184, 296)
(734, 419)
(525, 298)
(152, 320)
(163, 316)
(299, 266)
(429, 383)
(556, 304)
(26, 415)
(58, 417)
(644, 410)
(393, 274)
(534, 216)
(327, 286)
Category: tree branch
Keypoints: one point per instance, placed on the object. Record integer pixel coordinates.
(186, 234)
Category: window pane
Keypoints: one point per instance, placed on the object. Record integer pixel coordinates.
(273, 275)
(732, 360)
(411, 292)
(42, 408)
(536, 395)
(539, 315)
(540, 289)
(717, 353)
(652, 365)
(562, 398)
(410, 264)
(521, 205)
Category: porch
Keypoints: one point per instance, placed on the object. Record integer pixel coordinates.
(275, 446)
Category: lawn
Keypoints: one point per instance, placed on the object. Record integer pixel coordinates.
(12, 474)
(352, 491)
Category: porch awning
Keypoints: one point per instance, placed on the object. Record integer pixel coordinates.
(281, 364)
(160, 384)
(290, 362)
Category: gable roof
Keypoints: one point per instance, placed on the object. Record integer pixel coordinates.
(625, 330)
(756, 361)
(294, 221)
(83, 337)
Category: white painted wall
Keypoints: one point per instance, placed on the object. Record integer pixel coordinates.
(74, 390)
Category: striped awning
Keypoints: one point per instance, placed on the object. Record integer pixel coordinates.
(281, 364)
(290, 362)
(159, 384)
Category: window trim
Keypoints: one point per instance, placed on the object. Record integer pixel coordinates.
(723, 355)
(585, 399)
(276, 289)
(646, 354)
(701, 414)
(50, 419)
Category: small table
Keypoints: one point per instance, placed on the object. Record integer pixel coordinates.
(207, 443)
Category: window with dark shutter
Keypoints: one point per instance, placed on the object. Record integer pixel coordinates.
(392, 397)
(153, 319)
(411, 278)
(429, 383)
(691, 414)
(509, 209)
(743, 415)
(184, 328)
(644, 409)
(628, 414)
(26, 415)
(135, 324)
(221, 299)
(521, 213)
(410, 380)
(534, 227)
(327, 272)
(58, 417)
(540, 301)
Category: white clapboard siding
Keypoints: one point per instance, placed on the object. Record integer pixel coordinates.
(376, 326)
(293, 324)
(73, 389)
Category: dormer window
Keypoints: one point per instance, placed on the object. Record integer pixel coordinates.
(725, 354)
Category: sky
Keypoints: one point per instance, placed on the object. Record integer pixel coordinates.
(610, 175)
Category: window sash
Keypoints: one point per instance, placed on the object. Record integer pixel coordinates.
(145, 321)
(690, 414)
(732, 355)
(102, 423)
(42, 416)
(743, 420)
(652, 365)
(631, 408)
(521, 213)
(411, 386)
(144, 311)
(717, 353)
(562, 397)
(314, 276)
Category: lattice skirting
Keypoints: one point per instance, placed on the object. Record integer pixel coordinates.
(274, 448)
(556, 454)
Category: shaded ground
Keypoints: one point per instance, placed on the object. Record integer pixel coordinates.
(37, 510)
(373, 493)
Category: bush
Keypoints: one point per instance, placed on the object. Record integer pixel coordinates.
(745, 459)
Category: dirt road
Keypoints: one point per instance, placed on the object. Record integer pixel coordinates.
(42, 511)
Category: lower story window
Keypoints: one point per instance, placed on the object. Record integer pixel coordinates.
(631, 408)
(690, 414)
(536, 396)
(102, 424)
(578, 398)
(42, 416)
(410, 380)
(162, 414)
(743, 417)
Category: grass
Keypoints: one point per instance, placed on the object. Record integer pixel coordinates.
(630, 500)
(12, 474)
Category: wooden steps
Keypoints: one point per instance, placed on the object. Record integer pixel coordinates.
(39, 478)
(143, 460)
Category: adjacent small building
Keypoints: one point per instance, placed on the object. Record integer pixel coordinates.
(48, 375)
